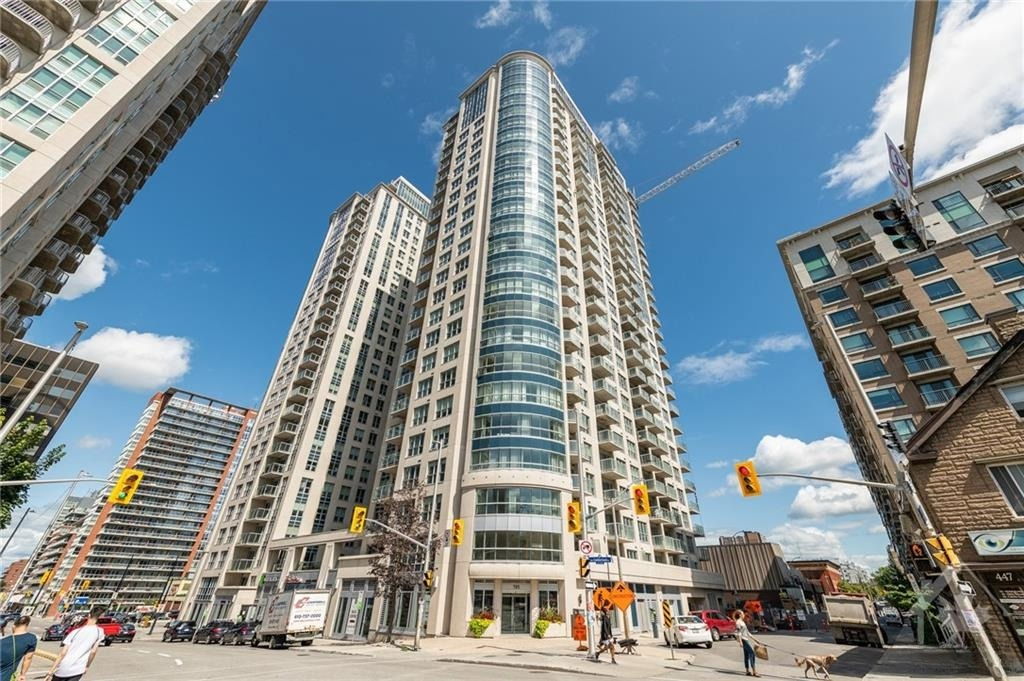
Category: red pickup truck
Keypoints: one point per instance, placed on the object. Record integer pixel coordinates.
(111, 629)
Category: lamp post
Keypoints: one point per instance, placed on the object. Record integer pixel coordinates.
(13, 419)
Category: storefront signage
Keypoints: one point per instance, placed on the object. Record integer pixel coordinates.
(1004, 542)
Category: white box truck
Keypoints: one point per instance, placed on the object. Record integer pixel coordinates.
(292, 617)
(851, 619)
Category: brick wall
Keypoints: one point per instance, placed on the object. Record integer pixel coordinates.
(961, 494)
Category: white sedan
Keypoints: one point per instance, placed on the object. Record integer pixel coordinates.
(689, 631)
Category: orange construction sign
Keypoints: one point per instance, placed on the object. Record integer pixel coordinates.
(579, 628)
(603, 598)
(622, 596)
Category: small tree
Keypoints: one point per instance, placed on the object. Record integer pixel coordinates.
(396, 562)
(20, 460)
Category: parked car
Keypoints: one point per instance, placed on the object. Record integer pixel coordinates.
(127, 633)
(688, 630)
(55, 632)
(179, 630)
(718, 624)
(111, 628)
(240, 634)
(212, 631)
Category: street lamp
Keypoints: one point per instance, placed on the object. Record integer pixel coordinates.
(13, 419)
(435, 445)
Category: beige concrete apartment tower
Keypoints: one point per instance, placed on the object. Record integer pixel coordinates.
(533, 357)
(897, 332)
(93, 96)
(320, 428)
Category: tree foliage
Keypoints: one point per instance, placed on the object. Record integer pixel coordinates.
(396, 562)
(894, 588)
(20, 460)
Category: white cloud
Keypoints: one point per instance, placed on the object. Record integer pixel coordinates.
(973, 97)
(718, 492)
(735, 365)
(542, 13)
(829, 457)
(870, 561)
(91, 274)
(833, 499)
(432, 126)
(727, 367)
(93, 442)
(566, 44)
(28, 535)
(781, 343)
(626, 91)
(877, 529)
(387, 80)
(737, 112)
(620, 134)
(717, 464)
(136, 360)
(799, 541)
(500, 13)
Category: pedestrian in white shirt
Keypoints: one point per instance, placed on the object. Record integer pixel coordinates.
(747, 642)
(78, 650)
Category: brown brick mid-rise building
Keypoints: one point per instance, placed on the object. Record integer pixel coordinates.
(968, 465)
(12, 574)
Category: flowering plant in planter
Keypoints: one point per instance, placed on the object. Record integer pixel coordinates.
(479, 622)
(550, 615)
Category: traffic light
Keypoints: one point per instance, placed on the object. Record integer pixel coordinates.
(750, 484)
(358, 520)
(428, 579)
(921, 558)
(85, 585)
(574, 517)
(584, 567)
(458, 531)
(126, 486)
(897, 224)
(892, 439)
(942, 550)
(45, 577)
(641, 502)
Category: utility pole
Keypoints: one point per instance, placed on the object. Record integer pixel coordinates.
(117, 589)
(618, 564)
(428, 558)
(588, 604)
(13, 419)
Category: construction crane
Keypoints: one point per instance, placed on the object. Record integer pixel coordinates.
(689, 170)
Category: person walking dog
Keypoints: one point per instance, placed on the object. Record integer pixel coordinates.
(747, 642)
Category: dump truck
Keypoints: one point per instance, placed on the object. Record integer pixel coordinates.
(852, 620)
(292, 617)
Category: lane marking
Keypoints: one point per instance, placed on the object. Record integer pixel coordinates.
(139, 650)
(177, 662)
(163, 654)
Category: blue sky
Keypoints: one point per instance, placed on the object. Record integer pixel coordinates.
(197, 282)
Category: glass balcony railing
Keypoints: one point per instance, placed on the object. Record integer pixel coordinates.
(851, 241)
(908, 334)
(893, 309)
(876, 285)
(922, 364)
(938, 397)
(864, 263)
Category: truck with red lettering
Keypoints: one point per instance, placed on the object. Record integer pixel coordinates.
(292, 617)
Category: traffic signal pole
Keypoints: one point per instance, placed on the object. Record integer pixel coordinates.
(588, 605)
(428, 562)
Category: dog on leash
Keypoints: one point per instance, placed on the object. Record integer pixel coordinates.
(816, 663)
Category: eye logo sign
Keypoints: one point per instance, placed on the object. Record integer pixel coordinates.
(1002, 542)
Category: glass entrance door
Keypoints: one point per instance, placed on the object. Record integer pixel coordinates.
(515, 614)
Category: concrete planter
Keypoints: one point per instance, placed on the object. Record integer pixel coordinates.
(487, 633)
(556, 630)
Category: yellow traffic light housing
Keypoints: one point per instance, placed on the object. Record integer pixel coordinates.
(125, 487)
(45, 577)
(641, 502)
(574, 517)
(458, 531)
(85, 584)
(428, 579)
(750, 484)
(358, 520)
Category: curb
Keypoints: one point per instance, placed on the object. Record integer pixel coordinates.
(314, 649)
(531, 667)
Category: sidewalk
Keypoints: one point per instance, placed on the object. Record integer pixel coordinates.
(559, 655)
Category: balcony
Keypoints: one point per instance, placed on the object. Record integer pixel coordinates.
(910, 335)
(667, 516)
(281, 448)
(875, 287)
(614, 469)
(310, 360)
(668, 544)
(689, 485)
(643, 417)
(249, 539)
(607, 414)
(1007, 189)
(657, 487)
(269, 491)
(620, 531)
(684, 463)
(400, 406)
(26, 25)
(292, 412)
(573, 367)
(894, 310)
(276, 469)
(575, 392)
(605, 389)
(610, 441)
(304, 377)
(54, 281)
(573, 341)
(867, 264)
(286, 431)
(259, 514)
(299, 394)
(389, 459)
(10, 56)
(383, 491)
(854, 245)
(602, 366)
(52, 254)
(922, 366)
(652, 463)
(394, 432)
(74, 229)
(933, 399)
(242, 565)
